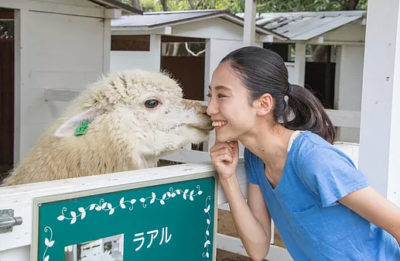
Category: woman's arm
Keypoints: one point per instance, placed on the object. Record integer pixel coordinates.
(252, 219)
(372, 206)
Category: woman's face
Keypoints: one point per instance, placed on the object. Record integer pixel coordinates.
(229, 105)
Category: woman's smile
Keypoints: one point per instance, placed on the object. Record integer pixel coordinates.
(218, 124)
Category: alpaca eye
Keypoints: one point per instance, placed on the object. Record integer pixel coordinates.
(151, 103)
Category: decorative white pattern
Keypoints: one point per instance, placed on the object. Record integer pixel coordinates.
(48, 243)
(207, 241)
(102, 205)
(74, 216)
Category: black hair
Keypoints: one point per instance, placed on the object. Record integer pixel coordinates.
(296, 108)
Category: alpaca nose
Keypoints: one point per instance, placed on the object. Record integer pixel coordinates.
(197, 105)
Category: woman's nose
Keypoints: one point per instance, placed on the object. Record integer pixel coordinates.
(211, 108)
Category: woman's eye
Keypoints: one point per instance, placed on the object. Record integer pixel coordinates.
(152, 103)
(209, 95)
(221, 96)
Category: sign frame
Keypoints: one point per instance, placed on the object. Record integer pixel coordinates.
(38, 201)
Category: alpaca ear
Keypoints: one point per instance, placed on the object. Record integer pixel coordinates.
(81, 121)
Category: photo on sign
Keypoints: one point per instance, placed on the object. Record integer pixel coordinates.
(103, 249)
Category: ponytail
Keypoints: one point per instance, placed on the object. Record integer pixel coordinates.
(296, 108)
(303, 111)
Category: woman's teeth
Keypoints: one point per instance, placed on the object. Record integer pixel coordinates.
(219, 123)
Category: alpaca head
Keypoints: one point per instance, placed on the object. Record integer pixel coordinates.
(142, 109)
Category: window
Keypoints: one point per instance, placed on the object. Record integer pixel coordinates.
(130, 43)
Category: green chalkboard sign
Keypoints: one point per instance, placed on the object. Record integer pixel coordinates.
(162, 220)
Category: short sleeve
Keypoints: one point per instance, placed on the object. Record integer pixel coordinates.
(249, 163)
(329, 174)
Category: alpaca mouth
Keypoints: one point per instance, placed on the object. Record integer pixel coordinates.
(207, 125)
(202, 127)
(204, 124)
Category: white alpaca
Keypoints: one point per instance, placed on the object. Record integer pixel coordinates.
(126, 120)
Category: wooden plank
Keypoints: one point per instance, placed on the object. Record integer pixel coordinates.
(59, 95)
(80, 8)
(343, 118)
(249, 27)
(380, 126)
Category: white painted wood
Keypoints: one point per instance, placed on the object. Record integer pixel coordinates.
(107, 44)
(291, 71)
(112, 13)
(343, 118)
(16, 254)
(59, 95)
(218, 50)
(348, 85)
(266, 39)
(67, 7)
(300, 64)
(233, 244)
(380, 125)
(353, 33)
(145, 60)
(53, 59)
(350, 149)
(207, 76)
(249, 22)
(60, 44)
(217, 28)
(188, 156)
(168, 30)
(20, 197)
(20, 33)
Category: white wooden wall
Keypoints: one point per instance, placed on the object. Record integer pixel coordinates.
(145, 60)
(59, 45)
(380, 125)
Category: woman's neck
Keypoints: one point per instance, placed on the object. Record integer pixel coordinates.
(270, 144)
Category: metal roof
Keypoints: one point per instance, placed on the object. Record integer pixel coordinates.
(302, 26)
(117, 4)
(159, 19)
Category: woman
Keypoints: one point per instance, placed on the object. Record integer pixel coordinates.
(320, 203)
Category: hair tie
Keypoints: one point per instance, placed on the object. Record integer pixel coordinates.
(287, 93)
(289, 89)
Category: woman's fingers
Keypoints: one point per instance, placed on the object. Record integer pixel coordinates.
(222, 156)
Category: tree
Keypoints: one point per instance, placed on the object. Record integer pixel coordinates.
(265, 6)
(237, 6)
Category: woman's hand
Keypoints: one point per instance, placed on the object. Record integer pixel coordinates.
(225, 157)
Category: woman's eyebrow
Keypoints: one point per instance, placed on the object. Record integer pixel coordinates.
(220, 87)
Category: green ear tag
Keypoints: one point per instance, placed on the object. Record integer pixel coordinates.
(82, 129)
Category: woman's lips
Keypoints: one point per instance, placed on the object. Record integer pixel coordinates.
(218, 124)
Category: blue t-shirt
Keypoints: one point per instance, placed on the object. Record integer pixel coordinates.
(305, 208)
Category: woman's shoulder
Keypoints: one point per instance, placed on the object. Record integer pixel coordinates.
(315, 150)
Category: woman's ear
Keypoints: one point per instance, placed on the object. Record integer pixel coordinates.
(264, 104)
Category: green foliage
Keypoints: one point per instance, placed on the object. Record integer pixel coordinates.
(237, 6)
(264, 6)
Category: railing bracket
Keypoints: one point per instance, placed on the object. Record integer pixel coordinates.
(7, 220)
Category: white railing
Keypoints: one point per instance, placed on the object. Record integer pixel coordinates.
(15, 245)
